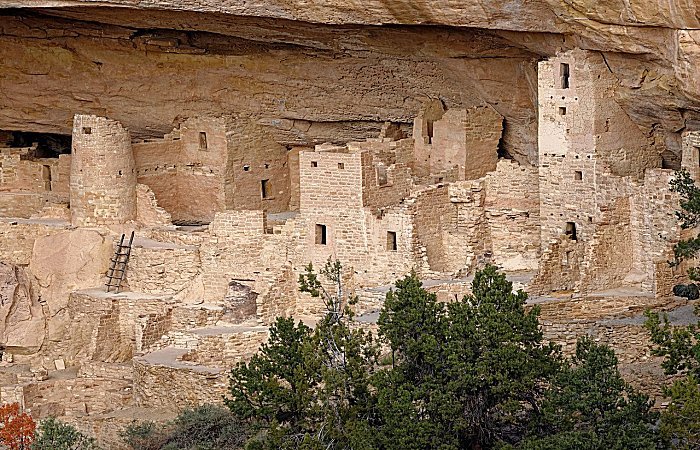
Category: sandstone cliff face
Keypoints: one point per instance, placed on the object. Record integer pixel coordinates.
(334, 71)
(63, 263)
(21, 315)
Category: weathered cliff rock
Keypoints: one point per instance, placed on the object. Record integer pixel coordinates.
(22, 321)
(325, 71)
(66, 262)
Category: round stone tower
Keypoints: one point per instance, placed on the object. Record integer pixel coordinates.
(102, 173)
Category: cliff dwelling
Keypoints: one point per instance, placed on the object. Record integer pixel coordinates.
(239, 146)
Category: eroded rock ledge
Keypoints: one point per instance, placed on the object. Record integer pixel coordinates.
(313, 73)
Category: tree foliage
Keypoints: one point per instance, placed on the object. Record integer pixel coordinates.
(679, 345)
(310, 388)
(16, 427)
(590, 406)
(467, 373)
(53, 434)
(207, 427)
(689, 216)
(472, 374)
(680, 422)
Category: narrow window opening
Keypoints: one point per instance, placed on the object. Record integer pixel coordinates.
(697, 155)
(429, 128)
(382, 178)
(391, 241)
(566, 260)
(564, 76)
(314, 163)
(578, 175)
(264, 188)
(202, 140)
(321, 234)
(570, 230)
(45, 176)
(607, 125)
(246, 168)
(341, 165)
(562, 110)
(87, 130)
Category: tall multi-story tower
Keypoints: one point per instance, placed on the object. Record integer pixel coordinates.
(584, 137)
(103, 176)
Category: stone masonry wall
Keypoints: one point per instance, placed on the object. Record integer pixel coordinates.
(654, 230)
(21, 204)
(690, 153)
(187, 168)
(512, 210)
(147, 210)
(103, 176)
(233, 251)
(463, 138)
(255, 157)
(110, 327)
(612, 254)
(17, 239)
(471, 238)
(162, 269)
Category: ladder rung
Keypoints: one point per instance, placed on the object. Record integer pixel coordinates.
(117, 268)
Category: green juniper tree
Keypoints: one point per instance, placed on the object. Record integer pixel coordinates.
(310, 388)
(689, 216)
(589, 406)
(53, 434)
(680, 345)
(680, 422)
(206, 427)
(466, 374)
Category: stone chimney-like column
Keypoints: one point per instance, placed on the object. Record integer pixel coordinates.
(103, 175)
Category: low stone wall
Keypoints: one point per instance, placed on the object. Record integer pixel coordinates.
(162, 268)
(17, 238)
(617, 322)
(187, 317)
(21, 204)
(177, 385)
(98, 369)
(599, 307)
(225, 350)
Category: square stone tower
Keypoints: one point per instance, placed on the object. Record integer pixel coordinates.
(584, 136)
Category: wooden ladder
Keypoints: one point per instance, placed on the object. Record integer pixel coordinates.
(117, 268)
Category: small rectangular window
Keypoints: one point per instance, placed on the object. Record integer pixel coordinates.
(578, 175)
(87, 130)
(341, 165)
(562, 111)
(570, 230)
(382, 178)
(46, 176)
(564, 76)
(264, 188)
(321, 234)
(391, 241)
(314, 163)
(202, 140)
